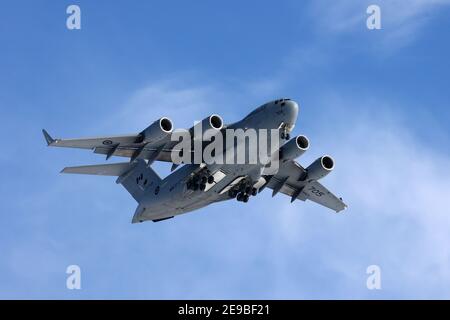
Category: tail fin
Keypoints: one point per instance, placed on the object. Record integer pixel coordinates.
(136, 177)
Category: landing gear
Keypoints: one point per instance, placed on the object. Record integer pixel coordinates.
(243, 197)
(232, 193)
(284, 133)
(199, 181)
(243, 192)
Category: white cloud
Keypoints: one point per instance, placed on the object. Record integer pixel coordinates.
(181, 100)
(401, 19)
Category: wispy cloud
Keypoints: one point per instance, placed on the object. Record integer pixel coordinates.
(398, 214)
(401, 20)
(183, 99)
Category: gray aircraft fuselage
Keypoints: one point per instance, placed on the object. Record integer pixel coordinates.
(172, 197)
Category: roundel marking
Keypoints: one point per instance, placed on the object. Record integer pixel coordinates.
(107, 142)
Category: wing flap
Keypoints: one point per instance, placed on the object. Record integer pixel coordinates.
(128, 151)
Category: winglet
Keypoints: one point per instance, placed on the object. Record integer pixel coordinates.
(47, 137)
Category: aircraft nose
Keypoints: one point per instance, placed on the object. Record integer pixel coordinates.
(290, 110)
(292, 106)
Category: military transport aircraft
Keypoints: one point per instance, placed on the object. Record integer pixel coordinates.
(195, 185)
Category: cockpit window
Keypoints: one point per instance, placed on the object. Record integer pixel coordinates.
(282, 100)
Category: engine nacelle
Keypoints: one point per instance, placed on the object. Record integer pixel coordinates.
(320, 168)
(157, 131)
(294, 148)
(214, 123)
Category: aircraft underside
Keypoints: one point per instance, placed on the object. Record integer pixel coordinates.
(202, 170)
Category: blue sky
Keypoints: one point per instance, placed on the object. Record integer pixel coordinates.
(377, 101)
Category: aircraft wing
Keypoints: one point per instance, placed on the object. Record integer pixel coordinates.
(288, 180)
(122, 146)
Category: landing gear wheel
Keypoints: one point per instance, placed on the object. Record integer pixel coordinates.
(240, 196)
(254, 192)
(282, 135)
(211, 179)
(245, 199)
(202, 187)
(203, 180)
(288, 136)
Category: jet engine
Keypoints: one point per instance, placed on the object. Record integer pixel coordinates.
(320, 168)
(213, 122)
(157, 131)
(294, 148)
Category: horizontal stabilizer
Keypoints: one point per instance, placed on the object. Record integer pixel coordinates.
(113, 169)
(158, 220)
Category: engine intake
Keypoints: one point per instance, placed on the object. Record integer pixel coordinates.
(294, 148)
(157, 131)
(213, 123)
(320, 168)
